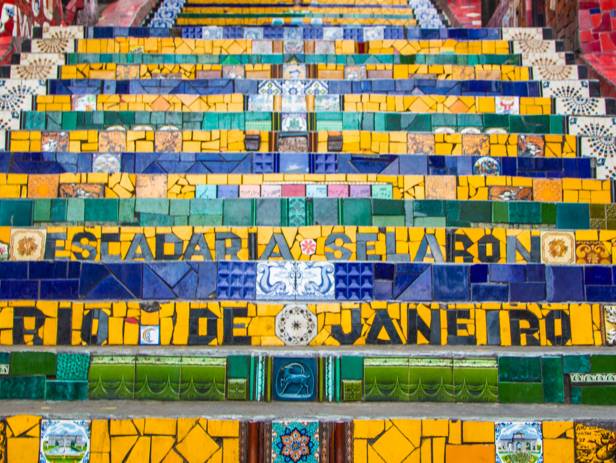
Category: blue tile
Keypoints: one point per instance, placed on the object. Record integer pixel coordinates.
(451, 282)
(565, 283)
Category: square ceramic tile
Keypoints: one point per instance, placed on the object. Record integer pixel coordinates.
(275, 280)
(518, 441)
(206, 191)
(295, 441)
(296, 122)
(68, 438)
(271, 191)
(316, 191)
(27, 244)
(557, 247)
(507, 105)
(270, 87)
(250, 191)
(296, 325)
(292, 47)
(293, 71)
(149, 335)
(315, 280)
(316, 87)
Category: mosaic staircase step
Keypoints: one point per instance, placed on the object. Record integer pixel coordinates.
(289, 163)
(114, 243)
(309, 202)
(189, 186)
(275, 212)
(502, 379)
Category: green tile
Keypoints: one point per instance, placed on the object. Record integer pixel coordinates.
(576, 364)
(524, 212)
(325, 211)
(72, 366)
(152, 205)
(157, 378)
(33, 363)
(75, 210)
(500, 212)
(203, 378)
(101, 210)
(66, 390)
(237, 212)
(572, 216)
(598, 395)
(356, 212)
(553, 379)
(351, 367)
(112, 377)
(269, 211)
(352, 390)
(475, 380)
(22, 387)
(603, 363)
(126, 214)
(238, 366)
(520, 392)
(16, 213)
(527, 369)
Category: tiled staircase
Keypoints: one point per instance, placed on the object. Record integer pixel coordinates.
(320, 214)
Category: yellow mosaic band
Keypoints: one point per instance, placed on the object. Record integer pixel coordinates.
(112, 71)
(353, 103)
(186, 186)
(353, 142)
(318, 243)
(179, 46)
(220, 323)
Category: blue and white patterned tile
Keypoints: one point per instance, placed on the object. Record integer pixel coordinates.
(276, 280)
(315, 280)
(294, 378)
(295, 441)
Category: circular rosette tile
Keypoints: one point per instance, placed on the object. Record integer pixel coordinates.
(296, 325)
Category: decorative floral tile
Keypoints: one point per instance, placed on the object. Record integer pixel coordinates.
(270, 87)
(27, 244)
(65, 440)
(580, 106)
(518, 442)
(293, 144)
(16, 95)
(592, 252)
(295, 441)
(296, 325)
(558, 247)
(324, 47)
(293, 87)
(593, 126)
(333, 33)
(609, 322)
(555, 72)
(316, 87)
(565, 89)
